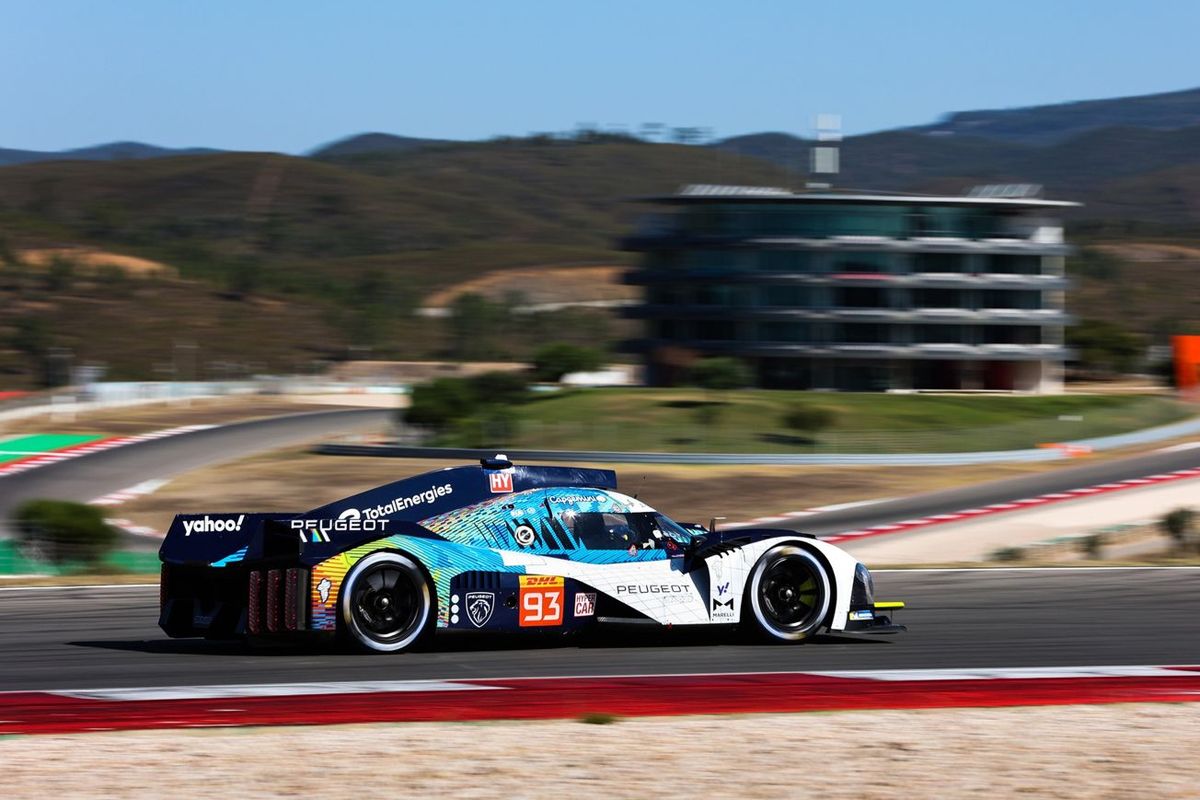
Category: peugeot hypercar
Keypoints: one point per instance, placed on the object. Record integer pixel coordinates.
(498, 547)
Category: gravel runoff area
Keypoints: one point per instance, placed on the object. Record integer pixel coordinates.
(1113, 751)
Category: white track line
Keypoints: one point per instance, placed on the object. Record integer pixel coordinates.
(351, 687)
(1024, 503)
(899, 570)
(53, 457)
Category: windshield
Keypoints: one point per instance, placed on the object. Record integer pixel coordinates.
(645, 530)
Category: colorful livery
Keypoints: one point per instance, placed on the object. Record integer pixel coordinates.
(498, 547)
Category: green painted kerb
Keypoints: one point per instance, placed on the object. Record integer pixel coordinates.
(13, 562)
(26, 446)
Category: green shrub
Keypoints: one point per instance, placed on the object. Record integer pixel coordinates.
(64, 532)
(806, 418)
(439, 403)
(1008, 554)
(499, 387)
(1092, 545)
(552, 361)
(60, 274)
(719, 374)
(493, 426)
(475, 410)
(1179, 524)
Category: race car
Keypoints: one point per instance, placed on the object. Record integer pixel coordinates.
(499, 547)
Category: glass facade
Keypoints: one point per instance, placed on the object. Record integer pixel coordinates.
(819, 221)
(940, 307)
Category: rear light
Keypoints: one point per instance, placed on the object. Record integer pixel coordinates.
(277, 601)
(295, 594)
(274, 612)
(162, 587)
(254, 604)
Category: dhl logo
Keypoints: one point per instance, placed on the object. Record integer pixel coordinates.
(540, 580)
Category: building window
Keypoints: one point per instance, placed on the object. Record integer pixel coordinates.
(938, 298)
(1010, 298)
(871, 263)
(1012, 334)
(942, 334)
(855, 333)
(860, 297)
(785, 331)
(1014, 265)
(716, 330)
(940, 262)
(786, 296)
(795, 261)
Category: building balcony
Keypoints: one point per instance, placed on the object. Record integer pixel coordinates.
(684, 240)
(984, 316)
(865, 350)
(930, 280)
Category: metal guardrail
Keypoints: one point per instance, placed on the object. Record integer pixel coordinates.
(1146, 436)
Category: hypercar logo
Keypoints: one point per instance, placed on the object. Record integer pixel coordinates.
(500, 482)
(323, 590)
(479, 607)
(585, 604)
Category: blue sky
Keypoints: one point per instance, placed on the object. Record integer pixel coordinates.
(288, 76)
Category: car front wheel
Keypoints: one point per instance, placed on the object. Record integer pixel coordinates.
(789, 594)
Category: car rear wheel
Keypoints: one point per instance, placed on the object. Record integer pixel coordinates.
(789, 594)
(387, 603)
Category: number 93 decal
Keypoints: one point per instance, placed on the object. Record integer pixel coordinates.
(541, 601)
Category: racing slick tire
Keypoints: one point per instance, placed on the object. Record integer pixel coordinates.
(387, 603)
(788, 594)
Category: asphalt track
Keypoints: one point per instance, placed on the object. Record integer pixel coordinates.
(98, 474)
(57, 638)
(1002, 491)
(88, 477)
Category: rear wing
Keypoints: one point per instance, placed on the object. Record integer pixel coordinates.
(223, 540)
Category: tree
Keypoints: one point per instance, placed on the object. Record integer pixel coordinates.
(1105, 346)
(477, 327)
(719, 374)
(499, 387)
(64, 532)
(1179, 524)
(439, 403)
(243, 276)
(60, 274)
(551, 362)
(808, 419)
(472, 409)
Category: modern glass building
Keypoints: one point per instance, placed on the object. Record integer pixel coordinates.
(858, 292)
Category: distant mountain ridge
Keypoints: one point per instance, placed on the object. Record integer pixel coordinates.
(1049, 124)
(1029, 126)
(373, 143)
(112, 151)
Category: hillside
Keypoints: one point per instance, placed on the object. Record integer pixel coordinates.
(354, 243)
(349, 243)
(1049, 124)
(113, 151)
(1134, 175)
(386, 143)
